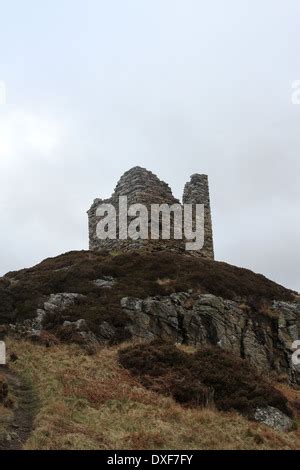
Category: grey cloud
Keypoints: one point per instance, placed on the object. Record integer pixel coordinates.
(177, 87)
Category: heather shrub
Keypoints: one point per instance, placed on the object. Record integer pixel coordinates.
(209, 375)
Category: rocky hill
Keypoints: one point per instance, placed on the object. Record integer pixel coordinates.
(102, 299)
(91, 297)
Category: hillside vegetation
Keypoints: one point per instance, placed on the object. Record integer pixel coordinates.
(124, 394)
(137, 274)
(92, 402)
(209, 375)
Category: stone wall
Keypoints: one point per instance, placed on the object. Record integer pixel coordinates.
(143, 187)
(196, 191)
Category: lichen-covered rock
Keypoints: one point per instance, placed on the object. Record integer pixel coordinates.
(264, 338)
(48, 315)
(107, 282)
(152, 318)
(60, 302)
(265, 341)
(274, 418)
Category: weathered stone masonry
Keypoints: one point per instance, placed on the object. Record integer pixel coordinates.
(142, 186)
(196, 191)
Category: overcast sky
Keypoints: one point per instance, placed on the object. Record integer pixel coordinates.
(95, 87)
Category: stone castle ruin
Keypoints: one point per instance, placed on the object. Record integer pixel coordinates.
(143, 187)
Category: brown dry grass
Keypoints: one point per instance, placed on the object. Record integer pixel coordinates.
(6, 417)
(92, 403)
(7, 401)
(293, 397)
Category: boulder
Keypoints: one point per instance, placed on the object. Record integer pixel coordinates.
(273, 418)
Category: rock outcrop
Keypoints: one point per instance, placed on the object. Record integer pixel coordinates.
(46, 316)
(264, 340)
(98, 297)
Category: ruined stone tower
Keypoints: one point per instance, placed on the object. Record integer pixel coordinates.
(143, 187)
(196, 191)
